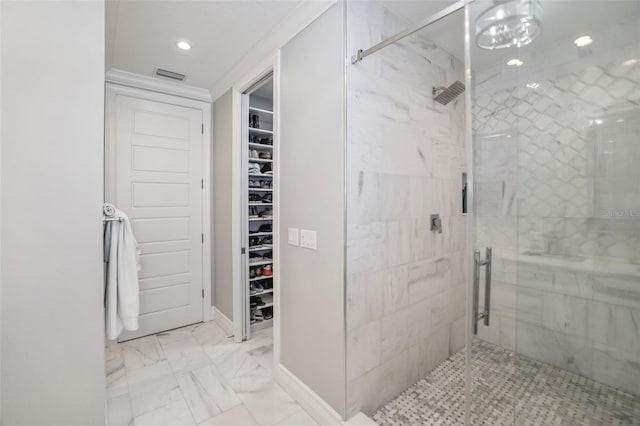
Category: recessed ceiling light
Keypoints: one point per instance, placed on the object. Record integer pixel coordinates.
(183, 45)
(583, 41)
(533, 85)
(515, 62)
(630, 62)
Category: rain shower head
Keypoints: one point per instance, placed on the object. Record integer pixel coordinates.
(444, 95)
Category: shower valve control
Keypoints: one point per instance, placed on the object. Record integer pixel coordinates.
(436, 223)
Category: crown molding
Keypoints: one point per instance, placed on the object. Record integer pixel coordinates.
(130, 79)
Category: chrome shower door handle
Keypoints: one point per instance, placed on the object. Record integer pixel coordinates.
(477, 263)
(476, 290)
(487, 286)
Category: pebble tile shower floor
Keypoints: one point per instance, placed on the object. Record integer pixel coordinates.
(507, 386)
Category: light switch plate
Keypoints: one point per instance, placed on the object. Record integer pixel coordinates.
(308, 239)
(293, 236)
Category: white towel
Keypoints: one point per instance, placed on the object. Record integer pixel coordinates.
(122, 257)
(108, 210)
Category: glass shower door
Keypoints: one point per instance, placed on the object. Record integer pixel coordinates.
(553, 122)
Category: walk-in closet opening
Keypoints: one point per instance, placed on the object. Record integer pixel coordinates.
(258, 136)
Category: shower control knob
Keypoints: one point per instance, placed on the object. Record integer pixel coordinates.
(436, 223)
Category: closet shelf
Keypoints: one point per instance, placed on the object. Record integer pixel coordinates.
(260, 219)
(260, 204)
(261, 263)
(264, 111)
(260, 234)
(260, 146)
(260, 278)
(260, 175)
(260, 189)
(260, 131)
(267, 291)
(266, 305)
(260, 160)
(261, 248)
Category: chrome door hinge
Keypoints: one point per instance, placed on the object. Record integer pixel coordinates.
(202, 129)
(203, 293)
(202, 183)
(243, 250)
(202, 238)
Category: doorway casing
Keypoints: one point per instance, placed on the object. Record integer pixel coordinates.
(120, 82)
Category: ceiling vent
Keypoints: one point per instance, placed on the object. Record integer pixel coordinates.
(170, 74)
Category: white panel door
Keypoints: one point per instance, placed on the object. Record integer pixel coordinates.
(158, 172)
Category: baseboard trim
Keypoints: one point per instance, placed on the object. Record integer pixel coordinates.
(222, 320)
(317, 408)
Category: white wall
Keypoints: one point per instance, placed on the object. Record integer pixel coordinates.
(312, 197)
(222, 206)
(52, 182)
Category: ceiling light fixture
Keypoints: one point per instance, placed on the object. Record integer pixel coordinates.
(511, 23)
(583, 41)
(184, 45)
(630, 62)
(533, 85)
(515, 62)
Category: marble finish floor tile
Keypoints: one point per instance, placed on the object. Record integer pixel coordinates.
(232, 360)
(207, 392)
(153, 391)
(237, 416)
(142, 352)
(119, 411)
(176, 413)
(116, 372)
(264, 355)
(270, 404)
(509, 389)
(185, 355)
(297, 419)
(208, 334)
(175, 335)
(197, 375)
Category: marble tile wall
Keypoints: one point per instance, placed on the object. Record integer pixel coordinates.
(405, 157)
(558, 199)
